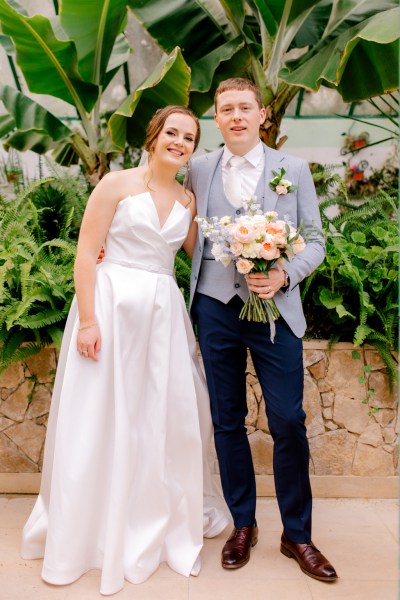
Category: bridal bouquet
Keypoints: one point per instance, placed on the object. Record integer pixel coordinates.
(255, 242)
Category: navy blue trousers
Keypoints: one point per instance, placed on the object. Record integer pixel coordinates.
(224, 340)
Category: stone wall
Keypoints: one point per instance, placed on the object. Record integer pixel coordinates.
(25, 395)
(351, 420)
(351, 431)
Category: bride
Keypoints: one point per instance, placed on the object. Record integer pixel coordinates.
(126, 482)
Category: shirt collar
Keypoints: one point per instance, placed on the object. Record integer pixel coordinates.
(253, 156)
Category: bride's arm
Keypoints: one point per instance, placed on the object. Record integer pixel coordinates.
(96, 221)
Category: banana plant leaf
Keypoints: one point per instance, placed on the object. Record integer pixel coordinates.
(49, 65)
(36, 128)
(168, 84)
(197, 26)
(94, 28)
(360, 62)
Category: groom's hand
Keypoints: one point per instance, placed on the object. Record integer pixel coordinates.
(266, 286)
(101, 255)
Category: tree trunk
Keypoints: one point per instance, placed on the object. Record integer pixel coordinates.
(269, 130)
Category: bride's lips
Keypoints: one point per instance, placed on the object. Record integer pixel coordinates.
(175, 151)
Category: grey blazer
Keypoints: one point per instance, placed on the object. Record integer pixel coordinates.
(300, 206)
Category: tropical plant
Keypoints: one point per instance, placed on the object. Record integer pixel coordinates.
(38, 235)
(74, 57)
(36, 278)
(353, 295)
(282, 46)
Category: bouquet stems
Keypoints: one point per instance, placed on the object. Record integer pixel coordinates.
(261, 311)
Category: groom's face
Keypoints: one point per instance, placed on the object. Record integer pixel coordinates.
(238, 117)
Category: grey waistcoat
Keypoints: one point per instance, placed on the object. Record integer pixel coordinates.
(215, 280)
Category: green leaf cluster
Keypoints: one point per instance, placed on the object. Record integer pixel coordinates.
(353, 295)
(37, 253)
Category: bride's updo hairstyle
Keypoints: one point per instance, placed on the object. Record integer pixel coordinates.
(158, 121)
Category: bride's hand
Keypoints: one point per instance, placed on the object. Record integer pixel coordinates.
(89, 341)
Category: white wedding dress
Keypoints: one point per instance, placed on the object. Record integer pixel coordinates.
(126, 482)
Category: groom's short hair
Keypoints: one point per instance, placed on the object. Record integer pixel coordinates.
(238, 84)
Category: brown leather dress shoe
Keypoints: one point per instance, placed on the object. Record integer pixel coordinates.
(236, 552)
(310, 559)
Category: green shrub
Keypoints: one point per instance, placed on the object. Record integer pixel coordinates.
(36, 273)
(353, 295)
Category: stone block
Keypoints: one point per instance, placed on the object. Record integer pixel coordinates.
(350, 413)
(385, 416)
(312, 407)
(262, 447)
(382, 397)
(42, 364)
(327, 398)
(389, 435)
(262, 421)
(373, 359)
(29, 438)
(311, 357)
(331, 425)
(12, 460)
(318, 371)
(12, 377)
(16, 404)
(323, 386)
(372, 435)
(370, 461)
(327, 413)
(332, 453)
(256, 387)
(343, 373)
(40, 404)
(250, 367)
(5, 423)
(252, 407)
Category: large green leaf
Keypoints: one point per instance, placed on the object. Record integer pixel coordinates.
(168, 84)
(94, 27)
(360, 62)
(198, 27)
(7, 124)
(48, 64)
(36, 128)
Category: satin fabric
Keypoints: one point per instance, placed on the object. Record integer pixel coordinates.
(126, 481)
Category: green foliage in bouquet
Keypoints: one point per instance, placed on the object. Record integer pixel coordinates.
(353, 295)
(37, 252)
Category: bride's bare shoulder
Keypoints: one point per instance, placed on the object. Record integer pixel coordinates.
(121, 184)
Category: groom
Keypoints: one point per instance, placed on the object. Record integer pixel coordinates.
(220, 180)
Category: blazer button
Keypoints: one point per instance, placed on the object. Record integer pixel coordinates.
(237, 285)
(238, 212)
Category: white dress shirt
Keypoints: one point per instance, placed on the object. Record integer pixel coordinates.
(250, 171)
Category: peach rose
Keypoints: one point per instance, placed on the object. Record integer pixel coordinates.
(269, 252)
(281, 189)
(298, 245)
(244, 266)
(244, 233)
(236, 248)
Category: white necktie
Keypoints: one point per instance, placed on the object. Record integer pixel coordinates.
(233, 181)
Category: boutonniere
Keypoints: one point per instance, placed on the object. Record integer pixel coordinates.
(280, 185)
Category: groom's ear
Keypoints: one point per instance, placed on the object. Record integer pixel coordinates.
(263, 115)
(216, 120)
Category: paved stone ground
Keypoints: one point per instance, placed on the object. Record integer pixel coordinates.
(360, 537)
